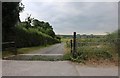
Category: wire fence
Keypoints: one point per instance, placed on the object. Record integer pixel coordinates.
(9, 46)
(95, 47)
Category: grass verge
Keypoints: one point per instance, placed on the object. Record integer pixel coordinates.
(23, 50)
(93, 55)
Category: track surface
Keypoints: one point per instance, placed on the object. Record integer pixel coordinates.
(53, 68)
(54, 49)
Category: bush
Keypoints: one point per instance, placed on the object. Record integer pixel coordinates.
(32, 37)
(87, 52)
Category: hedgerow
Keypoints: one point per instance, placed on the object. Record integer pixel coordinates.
(32, 37)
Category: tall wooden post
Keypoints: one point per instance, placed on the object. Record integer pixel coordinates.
(74, 45)
(15, 47)
(71, 45)
(45, 43)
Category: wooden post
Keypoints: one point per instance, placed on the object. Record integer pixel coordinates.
(15, 49)
(45, 43)
(74, 45)
(71, 45)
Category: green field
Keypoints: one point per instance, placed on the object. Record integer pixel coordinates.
(94, 50)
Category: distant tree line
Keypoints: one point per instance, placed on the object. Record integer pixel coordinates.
(30, 32)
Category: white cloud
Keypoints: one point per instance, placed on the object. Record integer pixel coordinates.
(82, 17)
(69, 0)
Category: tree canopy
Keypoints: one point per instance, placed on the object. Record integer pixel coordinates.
(10, 16)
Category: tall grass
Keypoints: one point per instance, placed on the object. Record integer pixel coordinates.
(97, 49)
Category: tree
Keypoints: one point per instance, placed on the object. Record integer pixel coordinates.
(44, 27)
(36, 23)
(10, 17)
(28, 21)
(50, 32)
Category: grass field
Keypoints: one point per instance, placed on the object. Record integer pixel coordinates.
(95, 51)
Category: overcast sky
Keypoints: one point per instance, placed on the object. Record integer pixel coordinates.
(82, 17)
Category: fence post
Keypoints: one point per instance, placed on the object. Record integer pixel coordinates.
(74, 45)
(71, 45)
(15, 49)
(45, 42)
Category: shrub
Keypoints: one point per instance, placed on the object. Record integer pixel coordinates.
(32, 37)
